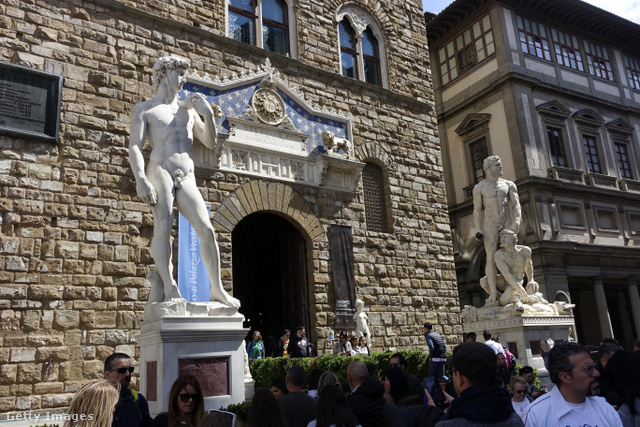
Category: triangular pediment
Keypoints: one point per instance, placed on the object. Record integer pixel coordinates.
(553, 108)
(472, 122)
(619, 126)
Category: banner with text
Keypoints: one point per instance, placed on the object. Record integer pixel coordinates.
(193, 281)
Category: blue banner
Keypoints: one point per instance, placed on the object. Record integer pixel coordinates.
(193, 281)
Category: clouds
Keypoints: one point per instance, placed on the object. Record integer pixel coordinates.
(627, 9)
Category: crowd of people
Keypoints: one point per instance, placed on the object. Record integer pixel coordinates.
(484, 389)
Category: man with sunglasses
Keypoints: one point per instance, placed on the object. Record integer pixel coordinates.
(572, 402)
(132, 409)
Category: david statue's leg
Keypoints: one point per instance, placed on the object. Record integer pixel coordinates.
(192, 207)
(161, 252)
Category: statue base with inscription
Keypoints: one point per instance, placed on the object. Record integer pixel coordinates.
(523, 325)
(204, 339)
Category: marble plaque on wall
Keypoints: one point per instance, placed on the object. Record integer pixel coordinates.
(29, 102)
(211, 372)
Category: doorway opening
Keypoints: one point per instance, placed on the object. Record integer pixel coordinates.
(270, 275)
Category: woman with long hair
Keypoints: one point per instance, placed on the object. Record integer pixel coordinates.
(328, 378)
(186, 404)
(265, 411)
(518, 387)
(363, 348)
(93, 405)
(623, 370)
(333, 410)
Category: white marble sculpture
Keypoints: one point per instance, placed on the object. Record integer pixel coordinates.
(170, 126)
(335, 144)
(496, 206)
(362, 328)
(513, 261)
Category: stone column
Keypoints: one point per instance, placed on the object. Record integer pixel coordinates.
(635, 301)
(603, 311)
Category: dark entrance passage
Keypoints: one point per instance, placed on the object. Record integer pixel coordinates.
(270, 275)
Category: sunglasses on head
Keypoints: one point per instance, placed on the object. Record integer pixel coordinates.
(121, 371)
(185, 397)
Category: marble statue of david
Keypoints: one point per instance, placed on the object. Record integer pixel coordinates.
(170, 126)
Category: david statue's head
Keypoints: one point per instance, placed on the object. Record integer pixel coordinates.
(492, 165)
(163, 67)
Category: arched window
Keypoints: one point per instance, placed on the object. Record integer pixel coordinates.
(361, 47)
(374, 200)
(273, 17)
(348, 52)
(370, 57)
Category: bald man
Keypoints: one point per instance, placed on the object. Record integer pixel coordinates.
(367, 395)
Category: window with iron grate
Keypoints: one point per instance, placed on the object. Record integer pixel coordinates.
(374, 200)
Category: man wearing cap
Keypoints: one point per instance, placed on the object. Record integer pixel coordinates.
(479, 402)
(572, 402)
(132, 409)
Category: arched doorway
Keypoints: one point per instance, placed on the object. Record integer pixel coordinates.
(270, 274)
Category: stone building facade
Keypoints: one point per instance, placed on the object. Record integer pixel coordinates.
(74, 240)
(550, 86)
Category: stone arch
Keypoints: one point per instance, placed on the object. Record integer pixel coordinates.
(374, 152)
(263, 196)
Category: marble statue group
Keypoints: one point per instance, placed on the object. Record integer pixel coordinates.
(497, 217)
(170, 126)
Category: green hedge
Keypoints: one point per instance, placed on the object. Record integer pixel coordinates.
(264, 371)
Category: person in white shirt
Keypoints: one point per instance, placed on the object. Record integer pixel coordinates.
(518, 388)
(572, 402)
(497, 348)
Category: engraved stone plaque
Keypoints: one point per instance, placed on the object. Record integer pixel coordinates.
(211, 372)
(29, 102)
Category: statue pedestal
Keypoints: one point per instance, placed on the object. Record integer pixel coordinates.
(204, 339)
(525, 331)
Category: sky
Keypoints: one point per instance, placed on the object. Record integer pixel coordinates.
(629, 9)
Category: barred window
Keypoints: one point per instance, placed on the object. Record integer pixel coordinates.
(374, 200)
(479, 152)
(633, 71)
(533, 38)
(598, 61)
(467, 50)
(591, 153)
(567, 50)
(623, 160)
(556, 147)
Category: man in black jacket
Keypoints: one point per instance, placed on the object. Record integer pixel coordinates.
(479, 401)
(299, 345)
(132, 409)
(437, 351)
(367, 395)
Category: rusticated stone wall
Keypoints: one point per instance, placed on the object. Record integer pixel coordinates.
(74, 239)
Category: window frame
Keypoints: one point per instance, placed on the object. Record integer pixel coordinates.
(632, 66)
(260, 21)
(624, 170)
(458, 47)
(561, 145)
(595, 154)
(360, 21)
(521, 24)
(560, 43)
(598, 62)
(381, 199)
